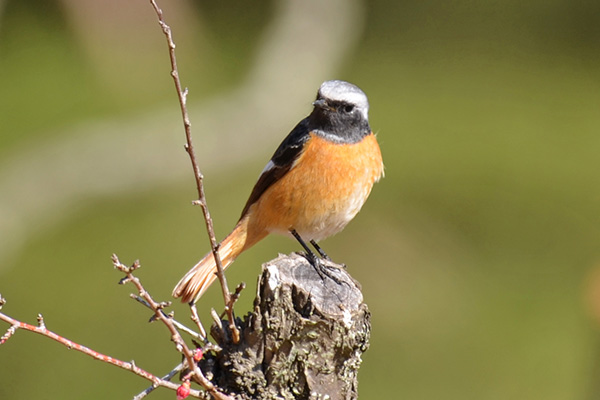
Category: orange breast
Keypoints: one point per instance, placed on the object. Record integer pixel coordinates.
(323, 191)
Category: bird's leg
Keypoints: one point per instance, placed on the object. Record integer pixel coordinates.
(322, 270)
(320, 250)
(312, 258)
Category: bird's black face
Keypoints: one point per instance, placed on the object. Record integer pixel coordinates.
(339, 120)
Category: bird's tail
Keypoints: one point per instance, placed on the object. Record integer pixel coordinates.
(203, 274)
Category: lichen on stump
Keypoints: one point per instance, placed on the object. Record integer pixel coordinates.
(303, 340)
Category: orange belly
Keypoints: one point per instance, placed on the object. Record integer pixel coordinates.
(322, 192)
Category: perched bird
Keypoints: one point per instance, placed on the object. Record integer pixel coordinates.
(315, 183)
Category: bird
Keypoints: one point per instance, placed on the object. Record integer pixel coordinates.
(314, 184)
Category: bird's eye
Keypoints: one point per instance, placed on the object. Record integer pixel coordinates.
(348, 108)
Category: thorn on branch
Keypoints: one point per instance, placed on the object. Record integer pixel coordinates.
(9, 332)
(124, 280)
(40, 320)
(184, 95)
(135, 265)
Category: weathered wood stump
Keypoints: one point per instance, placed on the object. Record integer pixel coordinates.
(303, 340)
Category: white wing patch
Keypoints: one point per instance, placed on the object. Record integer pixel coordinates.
(270, 165)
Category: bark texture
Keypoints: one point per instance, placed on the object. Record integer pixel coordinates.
(303, 340)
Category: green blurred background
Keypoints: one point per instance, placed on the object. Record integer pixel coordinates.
(478, 253)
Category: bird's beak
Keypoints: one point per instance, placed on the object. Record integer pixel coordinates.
(321, 104)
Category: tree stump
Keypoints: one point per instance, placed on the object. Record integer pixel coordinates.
(303, 340)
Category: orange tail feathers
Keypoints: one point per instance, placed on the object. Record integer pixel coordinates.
(203, 274)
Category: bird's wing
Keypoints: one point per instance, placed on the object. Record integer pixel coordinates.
(282, 161)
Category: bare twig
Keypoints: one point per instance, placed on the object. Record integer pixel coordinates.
(129, 366)
(197, 321)
(235, 296)
(179, 325)
(180, 344)
(167, 377)
(189, 147)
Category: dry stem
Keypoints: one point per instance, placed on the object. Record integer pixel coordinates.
(180, 344)
(129, 366)
(189, 147)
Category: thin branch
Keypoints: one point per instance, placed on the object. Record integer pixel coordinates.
(196, 320)
(129, 366)
(189, 147)
(167, 377)
(180, 344)
(236, 296)
(179, 325)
